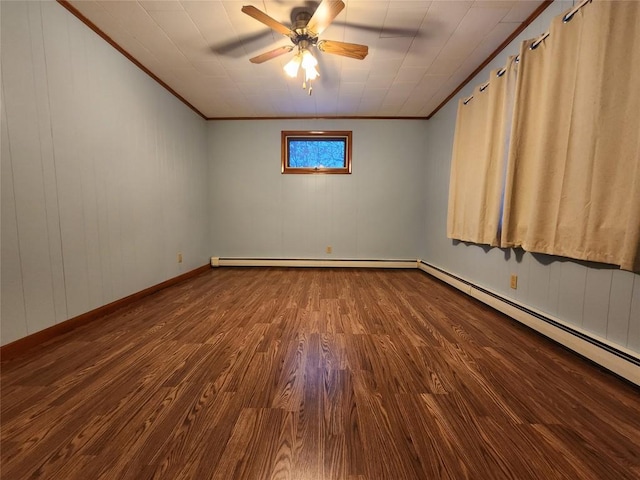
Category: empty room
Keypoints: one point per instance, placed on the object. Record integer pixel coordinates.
(313, 240)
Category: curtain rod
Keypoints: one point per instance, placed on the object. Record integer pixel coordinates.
(567, 18)
(574, 10)
(537, 43)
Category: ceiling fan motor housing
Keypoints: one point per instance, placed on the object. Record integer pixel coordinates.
(303, 37)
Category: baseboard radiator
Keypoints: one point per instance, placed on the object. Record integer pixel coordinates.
(310, 263)
(617, 359)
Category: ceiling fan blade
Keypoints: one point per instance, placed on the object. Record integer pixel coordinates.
(271, 54)
(382, 31)
(234, 48)
(324, 15)
(351, 50)
(267, 20)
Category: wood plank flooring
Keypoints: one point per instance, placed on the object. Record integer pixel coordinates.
(313, 374)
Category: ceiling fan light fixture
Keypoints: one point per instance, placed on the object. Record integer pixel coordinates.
(311, 73)
(291, 68)
(305, 59)
(308, 60)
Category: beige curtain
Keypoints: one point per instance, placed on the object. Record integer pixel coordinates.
(479, 157)
(573, 174)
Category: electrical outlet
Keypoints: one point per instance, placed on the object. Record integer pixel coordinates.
(179, 258)
(514, 282)
(329, 249)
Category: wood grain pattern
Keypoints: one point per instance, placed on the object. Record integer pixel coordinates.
(313, 374)
(22, 345)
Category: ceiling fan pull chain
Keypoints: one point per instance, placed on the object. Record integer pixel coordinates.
(310, 90)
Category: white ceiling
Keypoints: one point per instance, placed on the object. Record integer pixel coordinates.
(419, 53)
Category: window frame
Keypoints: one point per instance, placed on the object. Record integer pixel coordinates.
(345, 135)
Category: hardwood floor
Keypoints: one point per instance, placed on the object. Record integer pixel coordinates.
(313, 374)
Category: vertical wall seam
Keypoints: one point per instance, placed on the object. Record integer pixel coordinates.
(15, 213)
(42, 169)
(96, 194)
(78, 151)
(606, 330)
(633, 287)
(584, 296)
(55, 168)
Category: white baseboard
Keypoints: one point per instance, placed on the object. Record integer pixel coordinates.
(280, 262)
(613, 357)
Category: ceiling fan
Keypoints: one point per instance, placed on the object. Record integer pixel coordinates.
(304, 35)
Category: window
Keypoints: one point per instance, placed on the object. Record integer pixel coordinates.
(316, 152)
